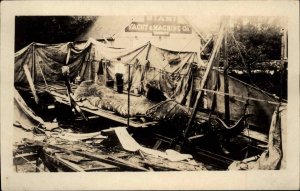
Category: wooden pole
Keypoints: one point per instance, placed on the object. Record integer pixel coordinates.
(282, 45)
(128, 117)
(33, 63)
(104, 67)
(30, 81)
(225, 64)
(148, 50)
(203, 82)
(283, 59)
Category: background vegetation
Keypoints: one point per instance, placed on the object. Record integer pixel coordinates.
(49, 30)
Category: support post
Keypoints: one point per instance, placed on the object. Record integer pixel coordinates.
(148, 50)
(30, 81)
(226, 84)
(203, 82)
(283, 60)
(128, 96)
(33, 63)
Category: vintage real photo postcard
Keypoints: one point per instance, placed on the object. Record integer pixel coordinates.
(149, 95)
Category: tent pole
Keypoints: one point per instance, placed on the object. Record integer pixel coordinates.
(128, 96)
(225, 65)
(33, 62)
(202, 48)
(68, 54)
(30, 81)
(149, 46)
(203, 82)
(29, 76)
(283, 59)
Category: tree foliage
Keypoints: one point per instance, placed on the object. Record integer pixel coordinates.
(49, 29)
(258, 40)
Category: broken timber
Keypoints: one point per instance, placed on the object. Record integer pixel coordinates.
(109, 160)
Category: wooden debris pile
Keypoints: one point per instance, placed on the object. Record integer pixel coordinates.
(66, 151)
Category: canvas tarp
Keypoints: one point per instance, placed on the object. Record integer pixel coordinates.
(274, 158)
(47, 60)
(168, 71)
(263, 110)
(24, 116)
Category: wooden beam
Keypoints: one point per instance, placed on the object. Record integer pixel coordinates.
(33, 62)
(68, 164)
(128, 163)
(128, 95)
(225, 65)
(30, 81)
(203, 82)
(24, 158)
(109, 160)
(202, 49)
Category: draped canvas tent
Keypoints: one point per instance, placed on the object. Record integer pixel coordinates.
(168, 71)
(46, 61)
(240, 102)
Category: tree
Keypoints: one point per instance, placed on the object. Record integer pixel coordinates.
(49, 29)
(258, 39)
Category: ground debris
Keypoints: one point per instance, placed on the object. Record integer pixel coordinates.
(60, 154)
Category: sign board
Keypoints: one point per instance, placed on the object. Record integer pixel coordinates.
(159, 26)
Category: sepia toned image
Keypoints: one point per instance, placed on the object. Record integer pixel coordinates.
(123, 99)
(150, 93)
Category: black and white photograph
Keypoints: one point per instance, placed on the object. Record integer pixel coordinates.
(149, 93)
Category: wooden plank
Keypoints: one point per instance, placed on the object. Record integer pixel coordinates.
(213, 159)
(160, 166)
(73, 158)
(125, 165)
(97, 166)
(70, 165)
(99, 169)
(24, 158)
(128, 163)
(106, 160)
